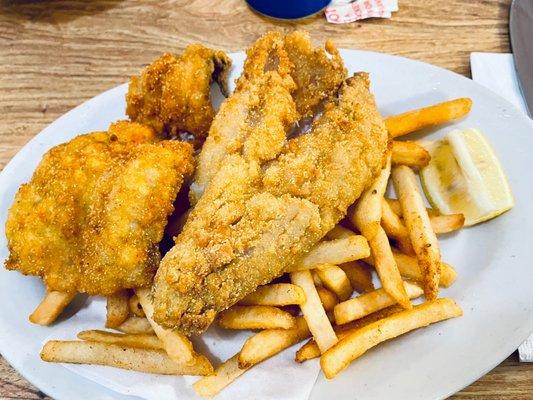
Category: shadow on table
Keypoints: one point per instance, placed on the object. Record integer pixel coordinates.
(54, 11)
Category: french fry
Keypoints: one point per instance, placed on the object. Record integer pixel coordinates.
(335, 279)
(135, 325)
(316, 279)
(131, 358)
(255, 317)
(387, 270)
(358, 342)
(421, 118)
(135, 306)
(447, 223)
(359, 274)
(409, 269)
(339, 232)
(275, 294)
(335, 251)
(327, 298)
(423, 239)
(368, 303)
(313, 311)
(395, 229)
(225, 373)
(409, 153)
(118, 309)
(310, 350)
(366, 215)
(269, 342)
(50, 307)
(395, 206)
(142, 340)
(178, 347)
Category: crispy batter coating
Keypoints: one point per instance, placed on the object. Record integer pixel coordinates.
(316, 73)
(172, 95)
(258, 214)
(92, 216)
(310, 74)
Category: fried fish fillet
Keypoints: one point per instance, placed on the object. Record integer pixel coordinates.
(92, 216)
(270, 201)
(311, 74)
(172, 95)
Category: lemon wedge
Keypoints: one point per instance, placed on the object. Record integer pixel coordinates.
(464, 176)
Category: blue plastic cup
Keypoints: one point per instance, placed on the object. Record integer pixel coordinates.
(288, 9)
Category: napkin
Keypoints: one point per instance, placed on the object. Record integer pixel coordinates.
(279, 377)
(345, 11)
(497, 72)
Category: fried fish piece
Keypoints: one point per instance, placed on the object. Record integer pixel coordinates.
(172, 95)
(259, 215)
(312, 75)
(92, 216)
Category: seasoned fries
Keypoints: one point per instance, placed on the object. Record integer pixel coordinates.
(226, 373)
(117, 309)
(276, 294)
(310, 350)
(50, 307)
(313, 311)
(132, 358)
(357, 343)
(360, 276)
(335, 279)
(395, 229)
(387, 269)
(339, 232)
(327, 298)
(366, 215)
(269, 342)
(135, 325)
(417, 221)
(395, 206)
(255, 317)
(437, 114)
(409, 269)
(368, 303)
(447, 223)
(177, 346)
(335, 251)
(409, 153)
(142, 340)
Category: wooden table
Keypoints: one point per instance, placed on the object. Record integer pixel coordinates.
(56, 54)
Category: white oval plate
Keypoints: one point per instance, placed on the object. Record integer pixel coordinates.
(493, 260)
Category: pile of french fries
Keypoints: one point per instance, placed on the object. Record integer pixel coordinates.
(329, 297)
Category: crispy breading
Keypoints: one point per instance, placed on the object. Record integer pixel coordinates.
(310, 74)
(92, 216)
(172, 95)
(259, 215)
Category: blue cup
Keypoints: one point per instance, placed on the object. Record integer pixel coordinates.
(288, 9)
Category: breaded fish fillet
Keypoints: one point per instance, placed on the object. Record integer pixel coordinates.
(172, 95)
(92, 216)
(259, 215)
(311, 74)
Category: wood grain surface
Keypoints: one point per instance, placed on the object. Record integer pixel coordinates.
(56, 54)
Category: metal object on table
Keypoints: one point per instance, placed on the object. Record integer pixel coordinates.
(521, 30)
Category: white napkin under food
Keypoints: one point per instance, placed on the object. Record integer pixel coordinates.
(280, 377)
(497, 72)
(345, 11)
